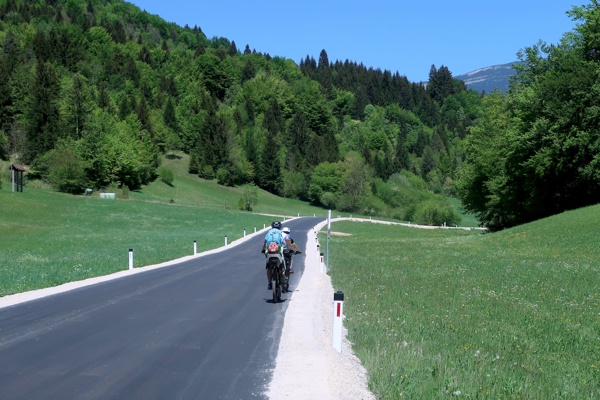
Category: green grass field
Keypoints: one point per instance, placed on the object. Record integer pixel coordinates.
(467, 220)
(442, 313)
(49, 238)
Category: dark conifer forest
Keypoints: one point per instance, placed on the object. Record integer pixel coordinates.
(95, 92)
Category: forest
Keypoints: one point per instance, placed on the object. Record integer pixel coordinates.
(95, 92)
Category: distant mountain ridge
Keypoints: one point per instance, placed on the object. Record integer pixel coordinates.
(489, 78)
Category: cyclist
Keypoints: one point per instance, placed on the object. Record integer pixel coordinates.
(273, 236)
(289, 248)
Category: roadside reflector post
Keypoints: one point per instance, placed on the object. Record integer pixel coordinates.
(254, 229)
(244, 233)
(264, 226)
(298, 215)
(322, 264)
(130, 258)
(225, 240)
(195, 247)
(338, 312)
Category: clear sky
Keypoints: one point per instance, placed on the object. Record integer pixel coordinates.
(400, 36)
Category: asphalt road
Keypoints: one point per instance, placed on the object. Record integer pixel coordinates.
(202, 329)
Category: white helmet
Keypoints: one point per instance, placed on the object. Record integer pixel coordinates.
(286, 230)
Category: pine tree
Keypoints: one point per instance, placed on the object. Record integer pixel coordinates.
(43, 112)
(169, 115)
(144, 116)
(274, 122)
(200, 49)
(78, 106)
(248, 71)
(5, 96)
(124, 108)
(401, 156)
(441, 83)
(233, 49)
(324, 73)
(269, 168)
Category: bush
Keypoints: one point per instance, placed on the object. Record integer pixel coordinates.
(249, 198)
(225, 177)
(166, 175)
(207, 172)
(66, 170)
(294, 185)
(125, 192)
(372, 205)
(435, 212)
(328, 200)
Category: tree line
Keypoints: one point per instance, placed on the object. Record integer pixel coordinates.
(536, 151)
(94, 92)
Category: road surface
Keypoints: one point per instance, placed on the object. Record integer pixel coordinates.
(205, 328)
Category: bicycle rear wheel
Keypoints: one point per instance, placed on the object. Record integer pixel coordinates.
(275, 285)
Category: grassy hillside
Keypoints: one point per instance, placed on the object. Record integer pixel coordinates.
(188, 189)
(513, 314)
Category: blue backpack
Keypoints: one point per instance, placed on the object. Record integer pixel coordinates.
(273, 241)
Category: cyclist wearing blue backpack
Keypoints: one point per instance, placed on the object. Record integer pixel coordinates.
(273, 243)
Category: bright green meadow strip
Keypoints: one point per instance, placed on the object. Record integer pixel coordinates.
(48, 238)
(442, 313)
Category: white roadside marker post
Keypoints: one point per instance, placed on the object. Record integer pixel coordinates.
(338, 312)
(130, 258)
(195, 247)
(244, 232)
(225, 240)
(322, 263)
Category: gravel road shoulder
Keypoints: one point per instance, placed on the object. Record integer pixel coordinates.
(307, 365)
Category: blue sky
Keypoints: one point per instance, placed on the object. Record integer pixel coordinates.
(400, 36)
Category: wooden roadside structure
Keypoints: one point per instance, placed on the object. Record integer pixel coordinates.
(17, 176)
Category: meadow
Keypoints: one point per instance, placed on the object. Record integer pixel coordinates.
(442, 313)
(49, 238)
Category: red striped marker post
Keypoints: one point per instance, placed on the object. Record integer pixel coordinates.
(338, 312)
